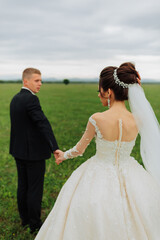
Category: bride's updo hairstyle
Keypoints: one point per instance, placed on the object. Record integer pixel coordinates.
(125, 73)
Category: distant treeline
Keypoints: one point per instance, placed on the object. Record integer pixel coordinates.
(70, 81)
(48, 82)
(20, 81)
(10, 81)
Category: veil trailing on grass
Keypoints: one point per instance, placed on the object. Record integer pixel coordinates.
(149, 129)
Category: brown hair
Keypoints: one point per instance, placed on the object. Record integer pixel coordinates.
(29, 71)
(126, 73)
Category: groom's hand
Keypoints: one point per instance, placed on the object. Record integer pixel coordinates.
(59, 156)
(55, 154)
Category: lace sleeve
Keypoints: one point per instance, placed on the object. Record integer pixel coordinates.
(81, 146)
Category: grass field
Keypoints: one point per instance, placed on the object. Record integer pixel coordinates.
(68, 109)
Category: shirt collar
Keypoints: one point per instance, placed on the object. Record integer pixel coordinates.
(28, 90)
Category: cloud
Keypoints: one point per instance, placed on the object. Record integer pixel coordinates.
(68, 37)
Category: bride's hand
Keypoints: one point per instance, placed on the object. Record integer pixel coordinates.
(60, 156)
(139, 79)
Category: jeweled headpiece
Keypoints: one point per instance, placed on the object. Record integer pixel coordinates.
(117, 81)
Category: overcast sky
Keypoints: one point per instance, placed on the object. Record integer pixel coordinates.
(78, 38)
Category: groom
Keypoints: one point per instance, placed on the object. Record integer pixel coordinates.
(32, 141)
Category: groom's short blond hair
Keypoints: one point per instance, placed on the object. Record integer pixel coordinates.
(29, 71)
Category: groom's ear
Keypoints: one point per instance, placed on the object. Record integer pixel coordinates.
(25, 81)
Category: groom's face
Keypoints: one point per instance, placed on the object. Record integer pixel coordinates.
(34, 82)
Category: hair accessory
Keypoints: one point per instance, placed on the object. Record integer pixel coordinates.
(117, 81)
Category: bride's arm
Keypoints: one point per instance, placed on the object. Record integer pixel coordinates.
(80, 147)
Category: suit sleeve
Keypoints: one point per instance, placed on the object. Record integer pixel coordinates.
(36, 114)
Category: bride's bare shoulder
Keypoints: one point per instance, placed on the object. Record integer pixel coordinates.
(101, 116)
(110, 115)
(97, 115)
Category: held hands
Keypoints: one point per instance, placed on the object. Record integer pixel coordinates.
(59, 156)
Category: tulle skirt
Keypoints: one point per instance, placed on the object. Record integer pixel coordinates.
(104, 201)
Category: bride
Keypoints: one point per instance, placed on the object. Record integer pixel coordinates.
(111, 196)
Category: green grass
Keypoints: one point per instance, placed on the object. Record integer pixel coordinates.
(68, 109)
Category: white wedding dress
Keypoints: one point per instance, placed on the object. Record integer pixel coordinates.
(109, 197)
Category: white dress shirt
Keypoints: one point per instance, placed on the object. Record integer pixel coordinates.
(28, 90)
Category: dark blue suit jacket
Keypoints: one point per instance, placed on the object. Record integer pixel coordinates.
(32, 137)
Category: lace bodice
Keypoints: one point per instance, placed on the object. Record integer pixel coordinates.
(114, 150)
